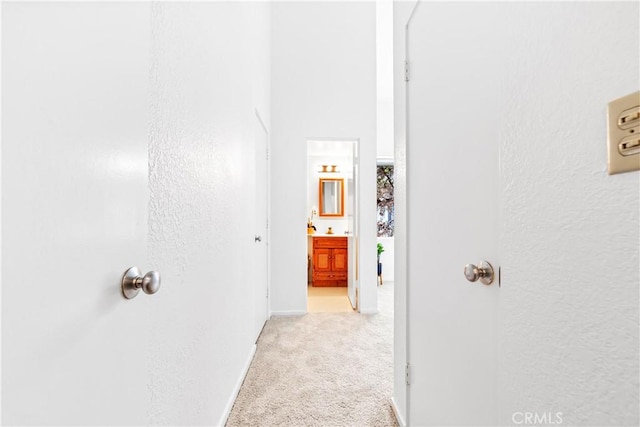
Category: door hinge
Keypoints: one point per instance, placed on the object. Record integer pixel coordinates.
(406, 71)
(267, 293)
(407, 372)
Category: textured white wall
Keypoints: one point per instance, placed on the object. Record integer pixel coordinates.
(323, 85)
(570, 232)
(210, 69)
(570, 245)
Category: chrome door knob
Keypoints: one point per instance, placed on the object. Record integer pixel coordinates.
(484, 272)
(257, 239)
(132, 282)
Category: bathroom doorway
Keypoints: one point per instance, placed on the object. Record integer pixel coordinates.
(332, 225)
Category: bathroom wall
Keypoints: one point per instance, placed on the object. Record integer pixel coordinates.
(338, 224)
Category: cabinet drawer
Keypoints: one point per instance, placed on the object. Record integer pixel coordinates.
(329, 242)
(329, 276)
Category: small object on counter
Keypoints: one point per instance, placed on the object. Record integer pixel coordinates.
(310, 227)
(329, 230)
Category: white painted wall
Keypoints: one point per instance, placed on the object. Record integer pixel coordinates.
(570, 232)
(183, 80)
(384, 78)
(323, 85)
(210, 70)
(568, 312)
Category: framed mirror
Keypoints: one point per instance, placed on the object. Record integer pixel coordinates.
(331, 197)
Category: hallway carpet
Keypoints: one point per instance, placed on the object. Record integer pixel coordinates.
(322, 369)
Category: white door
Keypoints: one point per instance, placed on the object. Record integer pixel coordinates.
(452, 197)
(74, 213)
(261, 235)
(354, 227)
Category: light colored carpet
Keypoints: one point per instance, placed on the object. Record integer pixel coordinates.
(328, 300)
(322, 369)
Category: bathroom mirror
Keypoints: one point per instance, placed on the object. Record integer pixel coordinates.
(331, 197)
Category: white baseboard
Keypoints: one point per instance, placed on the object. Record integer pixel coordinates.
(397, 413)
(288, 313)
(236, 389)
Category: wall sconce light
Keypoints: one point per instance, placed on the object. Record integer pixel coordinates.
(329, 169)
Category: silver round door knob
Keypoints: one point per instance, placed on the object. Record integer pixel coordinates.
(151, 282)
(471, 272)
(484, 272)
(132, 282)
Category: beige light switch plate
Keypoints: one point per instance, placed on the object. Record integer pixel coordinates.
(623, 120)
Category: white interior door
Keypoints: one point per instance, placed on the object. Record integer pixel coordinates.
(74, 213)
(261, 222)
(452, 198)
(354, 227)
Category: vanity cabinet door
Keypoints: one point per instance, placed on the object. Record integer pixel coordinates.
(321, 260)
(339, 260)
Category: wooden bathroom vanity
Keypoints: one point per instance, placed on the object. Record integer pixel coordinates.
(330, 261)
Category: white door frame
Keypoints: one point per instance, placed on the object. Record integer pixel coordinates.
(267, 237)
(356, 219)
(405, 261)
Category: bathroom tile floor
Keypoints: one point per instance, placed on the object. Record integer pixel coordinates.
(328, 300)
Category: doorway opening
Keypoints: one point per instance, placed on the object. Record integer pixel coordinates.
(385, 189)
(332, 225)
